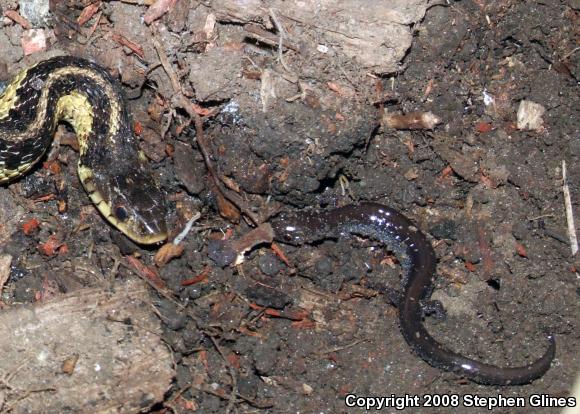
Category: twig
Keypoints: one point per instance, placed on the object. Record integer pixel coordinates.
(411, 120)
(540, 217)
(256, 32)
(231, 252)
(327, 29)
(165, 63)
(181, 101)
(339, 348)
(125, 41)
(18, 18)
(569, 212)
(25, 394)
(567, 55)
(179, 238)
(282, 34)
(13, 395)
(130, 263)
(232, 197)
(89, 34)
(139, 2)
(253, 403)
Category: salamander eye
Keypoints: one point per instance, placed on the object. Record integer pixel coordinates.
(121, 213)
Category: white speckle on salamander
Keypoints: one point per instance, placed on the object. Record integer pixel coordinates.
(386, 213)
(379, 220)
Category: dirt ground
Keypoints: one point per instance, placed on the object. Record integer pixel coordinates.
(289, 97)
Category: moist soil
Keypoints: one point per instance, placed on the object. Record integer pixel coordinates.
(300, 128)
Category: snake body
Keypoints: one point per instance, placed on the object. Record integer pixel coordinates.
(84, 95)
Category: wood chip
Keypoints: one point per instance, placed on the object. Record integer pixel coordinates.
(5, 262)
(530, 115)
(412, 120)
(158, 9)
(107, 342)
(16, 17)
(167, 252)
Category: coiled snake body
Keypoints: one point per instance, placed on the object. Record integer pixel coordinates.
(84, 95)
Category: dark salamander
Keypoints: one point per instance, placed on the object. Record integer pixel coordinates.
(418, 259)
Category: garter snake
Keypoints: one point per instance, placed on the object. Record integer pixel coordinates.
(84, 95)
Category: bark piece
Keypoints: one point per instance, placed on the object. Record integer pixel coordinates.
(376, 34)
(121, 365)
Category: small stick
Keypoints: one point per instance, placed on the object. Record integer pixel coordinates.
(165, 62)
(179, 99)
(124, 41)
(139, 2)
(256, 32)
(181, 236)
(411, 120)
(282, 34)
(17, 18)
(339, 348)
(569, 212)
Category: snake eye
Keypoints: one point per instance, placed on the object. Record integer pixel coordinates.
(121, 213)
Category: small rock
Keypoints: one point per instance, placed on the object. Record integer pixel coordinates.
(307, 389)
(33, 41)
(152, 145)
(221, 252)
(446, 229)
(248, 385)
(195, 291)
(35, 11)
(11, 215)
(191, 335)
(183, 376)
(269, 264)
(190, 171)
(495, 174)
(267, 297)
(265, 359)
(173, 318)
(520, 231)
(412, 174)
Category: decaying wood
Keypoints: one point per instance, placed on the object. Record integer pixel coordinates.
(95, 350)
(377, 44)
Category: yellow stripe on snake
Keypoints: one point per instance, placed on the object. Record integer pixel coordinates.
(84, 95)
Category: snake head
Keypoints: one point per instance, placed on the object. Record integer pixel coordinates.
(130, 201)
